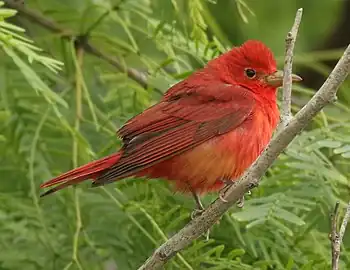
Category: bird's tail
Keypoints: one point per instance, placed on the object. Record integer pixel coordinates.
(88, 171)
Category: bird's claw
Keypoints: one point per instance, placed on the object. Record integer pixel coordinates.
(224, 189)
(240, 202)
(207, 234)
(196, 212)
(221, 197)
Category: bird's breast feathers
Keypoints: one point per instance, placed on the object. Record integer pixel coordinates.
(223, 158)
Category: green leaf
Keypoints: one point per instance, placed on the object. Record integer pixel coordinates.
(235, 253)
(346, 155)
(281, 226)
(288, 216)
(343, 149)
(252, 213)
(290, 263)
(323, 144)
(255, 223)
(34, 80)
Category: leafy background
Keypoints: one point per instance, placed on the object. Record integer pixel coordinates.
(60, 106)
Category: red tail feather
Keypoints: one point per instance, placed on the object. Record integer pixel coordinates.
(87, 171)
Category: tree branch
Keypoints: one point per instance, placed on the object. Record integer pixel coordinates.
(344, 224)
(137, 76)
(286, 114)
(251, 178)
(337, 237)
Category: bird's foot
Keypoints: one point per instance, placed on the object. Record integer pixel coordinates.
(240, 202)
(222, 192)
(196, 212)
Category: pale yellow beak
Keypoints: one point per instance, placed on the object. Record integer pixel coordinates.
(276, 79)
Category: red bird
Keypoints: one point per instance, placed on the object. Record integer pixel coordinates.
(207, 129)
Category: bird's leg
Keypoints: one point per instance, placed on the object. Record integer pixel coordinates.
(199, 206)
(198, 210)
(197, 199)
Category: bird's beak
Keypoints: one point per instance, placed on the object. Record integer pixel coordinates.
(276, 79)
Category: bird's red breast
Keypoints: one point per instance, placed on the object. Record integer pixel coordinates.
(208, 166)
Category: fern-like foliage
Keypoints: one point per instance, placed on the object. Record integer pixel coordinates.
(54, 117)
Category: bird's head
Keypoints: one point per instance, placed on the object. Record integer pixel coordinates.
(252, 66)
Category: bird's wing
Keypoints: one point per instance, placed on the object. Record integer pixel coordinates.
(182, 120)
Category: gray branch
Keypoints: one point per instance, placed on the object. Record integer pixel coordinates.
(286, 114)
(251, 178)
(337, 237)
(344, 223)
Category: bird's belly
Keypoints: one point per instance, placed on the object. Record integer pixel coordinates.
(207, 166)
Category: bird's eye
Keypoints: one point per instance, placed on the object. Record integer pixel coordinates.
(251, 73)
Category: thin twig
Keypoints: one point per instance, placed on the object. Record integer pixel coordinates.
(286, 114)
(34, 16)
(139, 77)
(104, 15)
(251, 178)
(344, 223)
(337, 237)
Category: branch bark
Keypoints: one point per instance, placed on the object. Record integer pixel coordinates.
(286, 114)
(337, 237)
(251, 178)
(34, 16)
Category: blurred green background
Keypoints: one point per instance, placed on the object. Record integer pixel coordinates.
(54, 117)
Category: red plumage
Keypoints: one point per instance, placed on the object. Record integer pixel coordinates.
(207, 129)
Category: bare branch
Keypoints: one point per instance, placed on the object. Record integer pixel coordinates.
(139, 77)
(251, 178)
(34, 16)
(337, 237)
(286, 114)
(344, 223)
